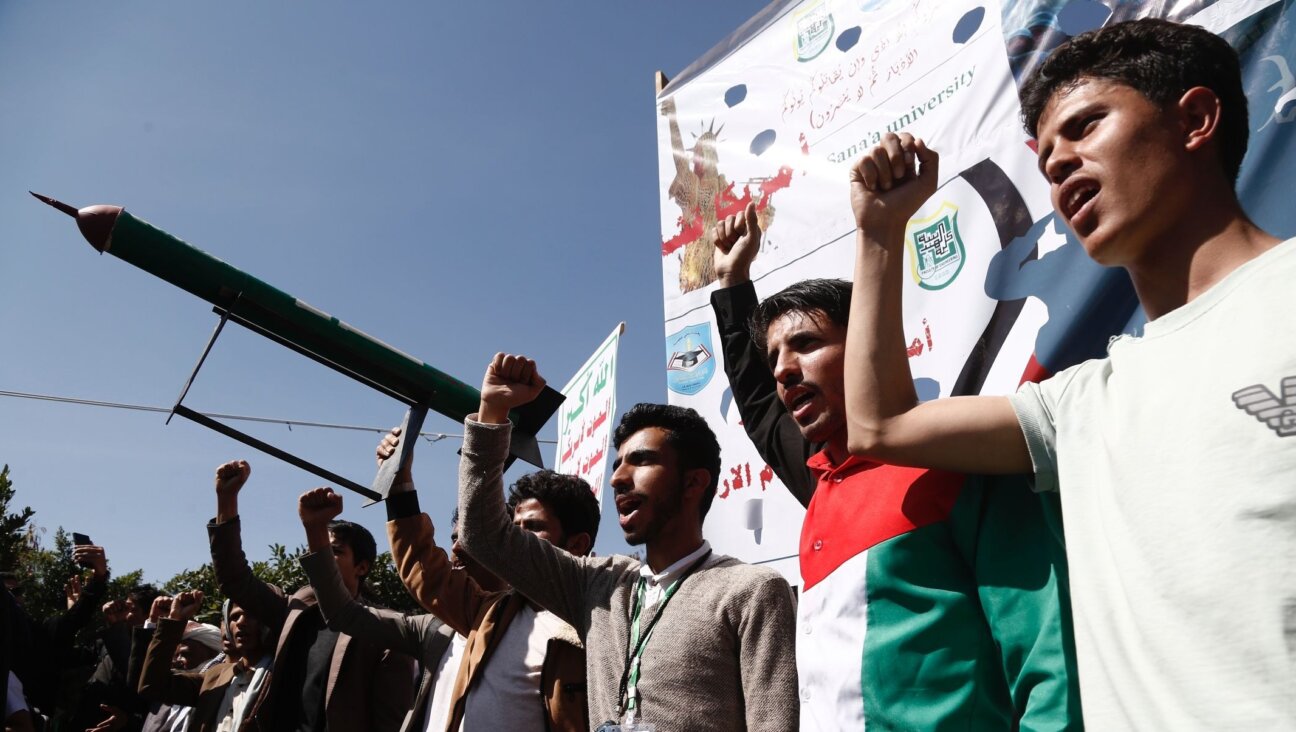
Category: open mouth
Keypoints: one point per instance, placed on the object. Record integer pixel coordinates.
(1076, 198)
(797, 400)
(627, 506)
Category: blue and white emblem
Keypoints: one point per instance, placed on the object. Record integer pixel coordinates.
(690, 359)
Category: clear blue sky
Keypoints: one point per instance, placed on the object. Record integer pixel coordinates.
(454, 178)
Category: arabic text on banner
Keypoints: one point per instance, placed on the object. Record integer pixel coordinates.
(585, 419)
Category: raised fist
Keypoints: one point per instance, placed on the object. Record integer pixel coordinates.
(231, 476)
(737, 241)
(319, 506)
(891, 182)
(115, 612)
(185, 605)
(160, 609)
(510, 382)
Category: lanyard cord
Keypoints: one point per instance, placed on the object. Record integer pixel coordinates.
(636, 652)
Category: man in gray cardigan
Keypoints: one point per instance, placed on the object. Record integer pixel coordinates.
(720, 657)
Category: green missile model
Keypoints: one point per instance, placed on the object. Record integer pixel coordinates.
(264, 309)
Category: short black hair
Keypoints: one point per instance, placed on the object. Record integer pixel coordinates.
(832, 297)
(144, 595)
(1160, 60)
(363, 548)
(568, 496)
(686, 432)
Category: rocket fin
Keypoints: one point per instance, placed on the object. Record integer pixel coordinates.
(527, 421)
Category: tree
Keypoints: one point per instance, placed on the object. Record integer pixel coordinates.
(284, 571)
(17, 533)
(386, 584)
(44, 573)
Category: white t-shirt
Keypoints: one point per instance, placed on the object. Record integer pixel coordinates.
(508, 695)
(439, 705)
(1176, 461)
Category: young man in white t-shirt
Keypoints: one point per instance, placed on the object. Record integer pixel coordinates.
(1175, 456)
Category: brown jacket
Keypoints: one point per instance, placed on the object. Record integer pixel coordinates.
(202, 690)
(483, 617)
(420, 636)
(369, 688)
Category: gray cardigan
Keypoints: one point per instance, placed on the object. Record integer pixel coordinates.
(722, 657)
(418, 636)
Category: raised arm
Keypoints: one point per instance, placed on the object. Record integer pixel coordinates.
(157, 681)
(424, 568)
(141, 637)
(233, 572)
(766, 421)
(885, 422)
(83, 599)
(342, 612)
(391, 681)
(547, 575)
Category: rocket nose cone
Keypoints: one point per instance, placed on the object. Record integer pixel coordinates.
(95, 222)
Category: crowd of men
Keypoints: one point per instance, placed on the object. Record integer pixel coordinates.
(938, 590)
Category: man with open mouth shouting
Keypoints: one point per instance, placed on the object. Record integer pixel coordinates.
(689, 639)
(895, 561)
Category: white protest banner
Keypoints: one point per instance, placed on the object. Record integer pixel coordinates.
(585, 420)
(998, 291)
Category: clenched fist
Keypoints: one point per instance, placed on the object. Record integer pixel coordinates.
(737, 241)
(510, 382)
(891, 182)
(319, 506)
(185, 605)
(231, 476)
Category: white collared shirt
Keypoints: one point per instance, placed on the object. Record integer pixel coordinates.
(656, 583)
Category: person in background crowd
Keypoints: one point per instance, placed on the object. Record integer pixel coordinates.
(420, 636)
(1173, 456)
(200, 646)
(687, 640)
(321, 679)
(226, 696)
(109, 703)
(514, 648)
(40, 651)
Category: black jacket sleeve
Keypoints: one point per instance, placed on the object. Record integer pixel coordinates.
(62, 629)
(766, 421)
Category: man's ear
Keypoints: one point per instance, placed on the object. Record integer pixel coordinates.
(362, 569)
(696, 483)
(1199, 112)
(579, 545)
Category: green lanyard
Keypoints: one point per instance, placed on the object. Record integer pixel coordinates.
(628, 699)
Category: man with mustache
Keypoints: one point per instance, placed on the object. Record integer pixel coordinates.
(223, 697)
(200, 646)
(1173, 457)
(896, 562)
(688, 639)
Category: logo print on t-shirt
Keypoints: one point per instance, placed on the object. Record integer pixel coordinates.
(1279, 414)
